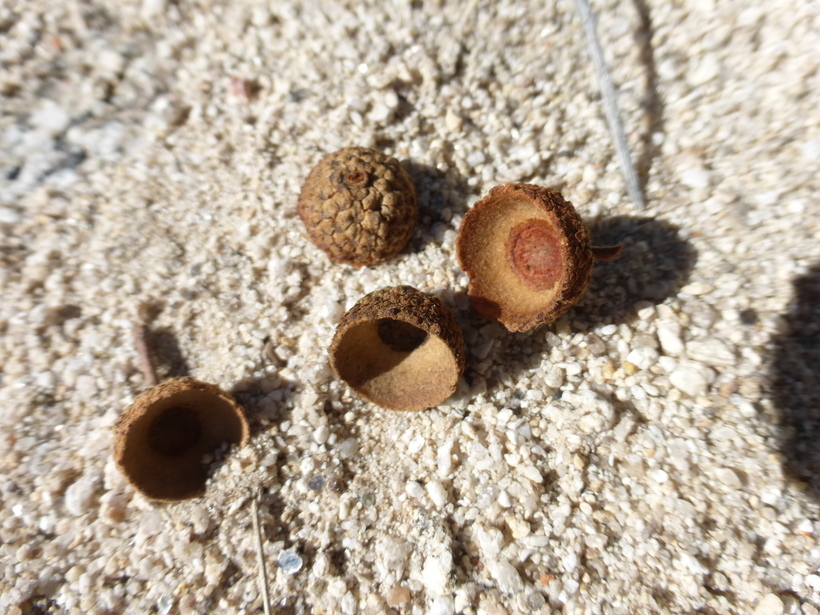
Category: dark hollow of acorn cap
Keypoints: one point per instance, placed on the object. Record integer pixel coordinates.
(161, 439)
(399, 348)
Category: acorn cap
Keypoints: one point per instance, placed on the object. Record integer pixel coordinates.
(527, 253)
(399, 348)
(359, 206)
(160, 440)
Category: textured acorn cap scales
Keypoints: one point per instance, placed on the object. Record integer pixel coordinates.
(528, 255)
(399, 348)
(359, 206)
(161, 438)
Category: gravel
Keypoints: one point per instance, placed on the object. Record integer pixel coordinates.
(653, 451)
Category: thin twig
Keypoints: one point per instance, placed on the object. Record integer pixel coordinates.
(149, 373)
(263, 575)
(610, 104)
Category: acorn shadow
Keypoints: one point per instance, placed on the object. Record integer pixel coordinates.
(795, 383)
(253, 394)
(438, 192)
(169, 361)
(655, 264)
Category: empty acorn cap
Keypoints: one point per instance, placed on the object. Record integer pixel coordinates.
(359, 206)
(160, 440)
(399, 348)
(527, 253)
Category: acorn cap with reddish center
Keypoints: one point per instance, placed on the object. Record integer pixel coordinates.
(399, 348)
(161, 439)
(527, 253)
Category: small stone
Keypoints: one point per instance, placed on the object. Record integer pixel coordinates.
(435, 573)
(316, 483)
(691, 378)
(348, 448)
(710, 352)
(507, 577)
(165, 604)
(770, 604)
(531, 473)
(396, 596)
(695, 178)
(437, 493)
(805, 528)
(80, 495)
(9, 215)
(50, 119)
(414, 489)
(728, 478)
(518, 527)
(289, 561)
(706, 70)
(321, 434)
(669, 335)
(643, 358)
(813, 581)
(153, 8)
(444, 605)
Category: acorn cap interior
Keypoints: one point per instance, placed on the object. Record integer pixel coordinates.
(515, 246)
(162, 438)
(399, 348)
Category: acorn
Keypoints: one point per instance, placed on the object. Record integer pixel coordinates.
(399, 348)
(161, 439)
(528, 255)
(359, 206)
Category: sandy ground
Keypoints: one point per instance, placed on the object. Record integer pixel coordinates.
(654, 451)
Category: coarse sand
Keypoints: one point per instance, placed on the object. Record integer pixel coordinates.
(654, 451)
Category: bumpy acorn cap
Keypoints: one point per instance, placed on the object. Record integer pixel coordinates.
(359, 206)
(527, 253)
(399, 348)
(160, 440)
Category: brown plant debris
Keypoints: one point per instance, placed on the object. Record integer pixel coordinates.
(161, 439)
(399, 348)
(359, 206)
(528, 255)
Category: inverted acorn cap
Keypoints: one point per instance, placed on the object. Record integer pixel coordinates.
(527, 253)
(161, 438)
(399, 348)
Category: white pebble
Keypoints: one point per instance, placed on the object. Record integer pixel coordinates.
(289, 561)
(706, 70)
(692, 378)
(348, 448)
(9, 215)
(444, 459)
(50, 119)
(728, 478)
(710, 352)
(321, 434)
(669, 336)
(643, 358)
(437, 493)
(80, 495)
(435, 573)
(505, 574)
(695, 178)
(769, 605)
(442, 606)
(414, 489)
